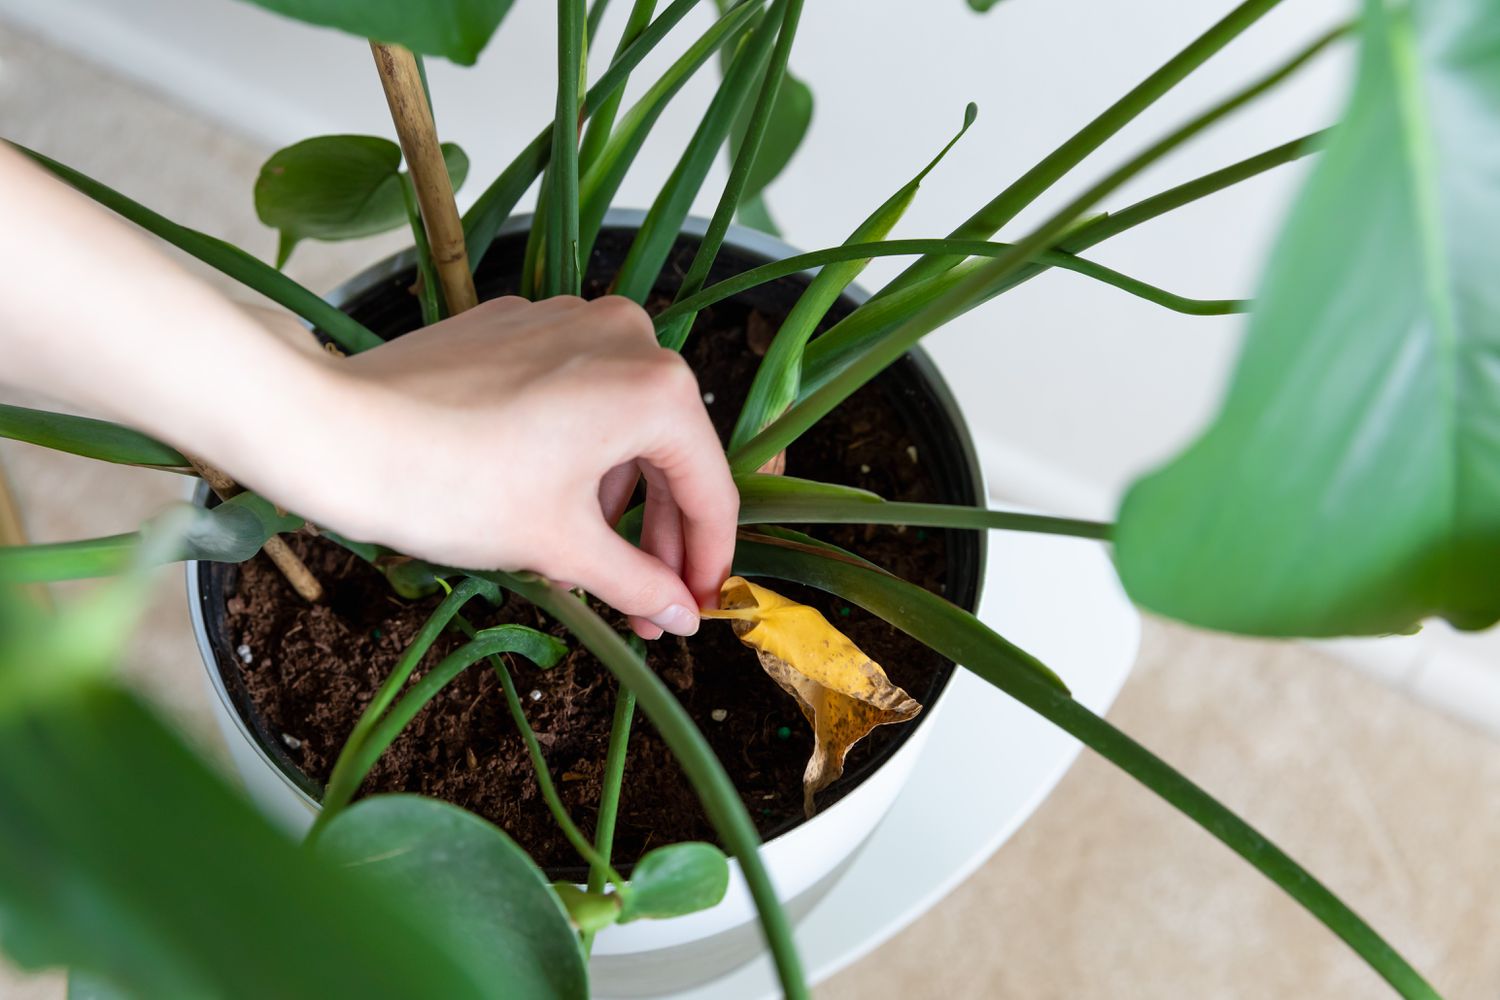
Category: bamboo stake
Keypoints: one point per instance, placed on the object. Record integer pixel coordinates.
(402, 81)
(276, 549)
(13, 532)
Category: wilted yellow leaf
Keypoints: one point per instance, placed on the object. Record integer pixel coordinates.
(843, 694)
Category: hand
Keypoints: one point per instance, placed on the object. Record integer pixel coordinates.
(512, 436)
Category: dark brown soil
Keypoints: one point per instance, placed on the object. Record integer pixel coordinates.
(310, 671)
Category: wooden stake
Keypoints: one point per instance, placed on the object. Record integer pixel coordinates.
(276, 549)
(13, 532)
(402, 82)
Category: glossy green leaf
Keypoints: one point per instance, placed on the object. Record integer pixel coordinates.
(779, 375)
(231, 532)
(467, 882)
(961, 637)
(1351, 483)
(123, 856)
(224, 257)
(454, 29)
(82, 986)
(90, 438)
(675, 880)
(338, 187)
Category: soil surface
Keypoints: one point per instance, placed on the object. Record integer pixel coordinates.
(310, 671)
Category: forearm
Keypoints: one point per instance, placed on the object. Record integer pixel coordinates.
(95, 316)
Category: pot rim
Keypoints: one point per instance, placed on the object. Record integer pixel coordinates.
(742, 237)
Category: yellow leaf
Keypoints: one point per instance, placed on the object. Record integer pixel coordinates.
(843, 693)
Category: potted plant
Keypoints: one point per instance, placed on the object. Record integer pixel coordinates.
(1371, 348)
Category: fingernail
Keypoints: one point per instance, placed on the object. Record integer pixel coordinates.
(676, 619)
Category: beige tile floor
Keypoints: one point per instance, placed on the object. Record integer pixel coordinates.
(1105, 892)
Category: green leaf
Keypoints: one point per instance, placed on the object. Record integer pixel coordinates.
(123, 856)
(82, 986)
(468, 883)
(982, 5)
(791, 117)
(89, 438)
(1351, 483)
(454, 29)
(961, 637)
(223, 257)
(231, 532)
(338, 187)
(675, 880)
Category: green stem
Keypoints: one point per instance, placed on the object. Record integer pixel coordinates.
(230, 260)
(675, 334)
(347, 774)
(90, 438)
(561, 275)
(966, 248)
(962, 638)
(614, 777)
(602, 118)
(985, 281)
(427, 288)
(1051, 168)
(717, 793)
(827, 510)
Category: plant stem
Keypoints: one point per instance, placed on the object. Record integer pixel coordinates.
(824, 510)
(674, 335)
(13, 533)
(427, 289)
(984, 282)
(402, 82)
(561, 275)
(276, 549)
(1051, 168)
(609, 795)
(717, 793)
(602, 118)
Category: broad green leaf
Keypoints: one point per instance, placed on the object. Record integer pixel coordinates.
(675, 880)
(1351, 482)
(338, 187)
(468, 883)
(454, 29)
(88, 437)
(958, 635)
(123, 856)
(82, 986)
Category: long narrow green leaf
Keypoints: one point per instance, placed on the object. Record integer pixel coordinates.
(231, 260)
(89, 438)
(561, 274)
(427, 292)
(1004, 207)
(742, 169)
(780, 373)
(964, 639)
(484, 218)
(663, 222)
(602, 118)
(783, 499)
(709, 780)
(608, 167)
(826, 355)
(231, 532)
(799, 263)
(991, 277)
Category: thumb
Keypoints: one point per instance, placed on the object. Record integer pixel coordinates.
(637, 584)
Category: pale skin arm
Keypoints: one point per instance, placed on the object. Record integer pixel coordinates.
(509, 437)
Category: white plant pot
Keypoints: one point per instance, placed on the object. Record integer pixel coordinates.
(649, 958)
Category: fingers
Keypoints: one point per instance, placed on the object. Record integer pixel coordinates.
(615, 490)
(636, 583)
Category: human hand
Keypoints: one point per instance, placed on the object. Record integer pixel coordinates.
(512, 436)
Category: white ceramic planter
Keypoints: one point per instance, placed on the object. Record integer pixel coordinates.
(649, 958)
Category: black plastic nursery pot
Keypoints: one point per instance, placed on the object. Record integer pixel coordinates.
(906, 432)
